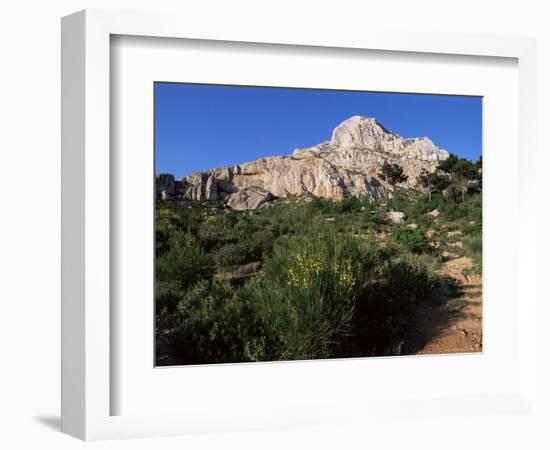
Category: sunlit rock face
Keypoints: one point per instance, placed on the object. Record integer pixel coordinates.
(348, 164)
(249, 198)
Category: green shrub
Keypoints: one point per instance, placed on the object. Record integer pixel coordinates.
(307, 294)
(215, 220)
(244, 251)
(202, 326)
(350, 204)
(166, 223)
(470, 209)
(474, 244)
(245, 226)
(376, 218)
(400, 201)
(181, 266)
(474, 249)
(412, 240)
(210, 234)
(320, 205)
(293, 217)
(423, 204)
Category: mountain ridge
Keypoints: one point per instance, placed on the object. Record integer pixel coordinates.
(348, 164)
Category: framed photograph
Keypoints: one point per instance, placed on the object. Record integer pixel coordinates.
(267, 228)
(366, 244)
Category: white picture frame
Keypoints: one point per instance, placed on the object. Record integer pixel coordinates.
(87, 384)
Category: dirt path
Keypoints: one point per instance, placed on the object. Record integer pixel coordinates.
(451, 323)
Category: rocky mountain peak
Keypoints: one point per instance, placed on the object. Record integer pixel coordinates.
(348, 164)
(360, 131)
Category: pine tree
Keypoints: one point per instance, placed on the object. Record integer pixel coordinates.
(459, 172)
(433, 181)
(393, 175)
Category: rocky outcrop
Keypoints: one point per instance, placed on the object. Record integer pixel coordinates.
(166, 186)
(396, 216)
(249, 198)
(348, 164)
(200, 186)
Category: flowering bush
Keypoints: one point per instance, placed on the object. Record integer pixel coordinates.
(309, 270)
(307, 294)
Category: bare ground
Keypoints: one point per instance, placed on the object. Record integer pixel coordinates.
(452, 321)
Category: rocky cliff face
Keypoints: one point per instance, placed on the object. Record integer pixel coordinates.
(166, 186)
(348, 164)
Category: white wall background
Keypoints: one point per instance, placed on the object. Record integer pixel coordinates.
(30, 199)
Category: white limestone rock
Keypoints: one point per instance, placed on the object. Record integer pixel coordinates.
(396, 216)
(348, 164)
(249, 198)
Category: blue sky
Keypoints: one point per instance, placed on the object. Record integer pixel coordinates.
(199, 127)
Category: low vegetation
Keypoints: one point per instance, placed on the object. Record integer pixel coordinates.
(304, 279)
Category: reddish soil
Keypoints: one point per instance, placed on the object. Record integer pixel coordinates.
(452, 321)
